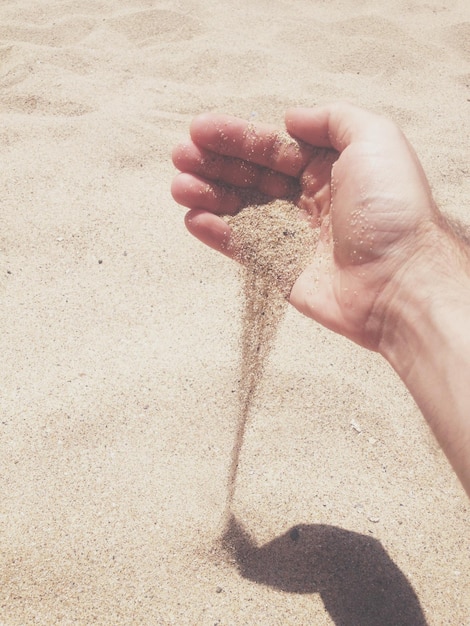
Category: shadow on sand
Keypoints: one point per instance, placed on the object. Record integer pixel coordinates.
(358, 582)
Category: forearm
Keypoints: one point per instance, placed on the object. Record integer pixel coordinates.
(427, 341)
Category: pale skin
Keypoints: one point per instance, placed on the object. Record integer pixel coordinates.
(391, 273)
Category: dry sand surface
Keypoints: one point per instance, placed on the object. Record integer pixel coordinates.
(119, 332)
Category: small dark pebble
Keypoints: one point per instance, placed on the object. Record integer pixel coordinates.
(100, 261)
(218, 590)
(294, 534)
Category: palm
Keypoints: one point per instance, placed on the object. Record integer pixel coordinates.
(361, 247)
(348, 187)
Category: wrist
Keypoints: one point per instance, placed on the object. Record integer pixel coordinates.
(429, 299)
(426, 339)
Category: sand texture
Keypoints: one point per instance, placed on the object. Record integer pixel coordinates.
(120, 332)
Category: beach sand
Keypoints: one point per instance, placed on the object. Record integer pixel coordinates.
(120, 333)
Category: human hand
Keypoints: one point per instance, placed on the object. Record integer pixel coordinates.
(357, 177)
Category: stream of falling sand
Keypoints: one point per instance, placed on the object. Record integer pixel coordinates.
(274, 244)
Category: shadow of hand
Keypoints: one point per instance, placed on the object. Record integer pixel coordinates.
(358, 582)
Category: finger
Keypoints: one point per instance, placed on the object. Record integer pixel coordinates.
(197, 193)
(256, 143)
(211, 230)
(231, 171)
(189, 157)
(334, 126)
(315, 183)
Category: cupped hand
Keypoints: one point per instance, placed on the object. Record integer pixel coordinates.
(356, 176)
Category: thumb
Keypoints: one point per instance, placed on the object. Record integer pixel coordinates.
(335, 125)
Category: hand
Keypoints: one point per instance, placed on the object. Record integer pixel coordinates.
(354, 173)
(389, 272)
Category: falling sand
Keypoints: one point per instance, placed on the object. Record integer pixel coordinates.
(273, 243)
